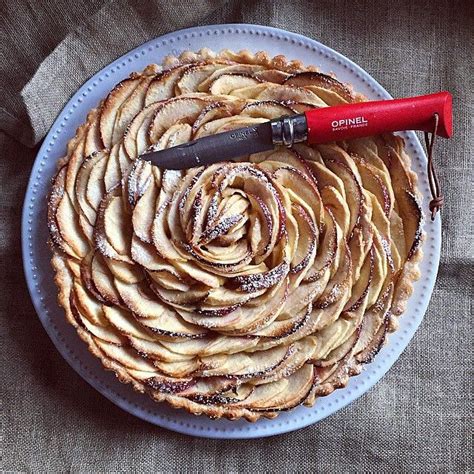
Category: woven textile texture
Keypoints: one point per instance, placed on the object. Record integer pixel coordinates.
(416, 419)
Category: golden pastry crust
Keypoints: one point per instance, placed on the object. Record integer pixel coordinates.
(242, 289)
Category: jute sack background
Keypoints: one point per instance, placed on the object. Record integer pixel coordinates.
(417, 419)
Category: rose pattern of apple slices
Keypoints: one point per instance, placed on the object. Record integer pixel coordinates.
(244, 288)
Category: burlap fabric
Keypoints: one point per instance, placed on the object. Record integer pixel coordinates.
(417, 419)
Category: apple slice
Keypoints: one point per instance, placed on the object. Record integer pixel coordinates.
(373, 181)
(105, 333)
(160, 383)
(272, 75)
(127, 272)
(210, 345)
(54, 200)
(140, 300)
(281, 328)
(306, 247)
(81, 184)
(144, 213)
(86, 276)
(145, 255)
(70, 231)
(412, 218)
(125, 356)
(327, 248)
(240, 122)
(339, 282)
(244, 320)
(112, 232)
(353, 191)
(113, 173)
(253, 92)
(245, 69)
(95, 187)
(175, 135)
(263, 395)
(213, 111)
(367, 355)
(88, 305)
(289, 92)
(361, 286)
(329, 89)
(179, 299)
(179, 369)
(194, 76)
(374, 318)
(335, 202)
(282, 394)
(332, 336)
(268, 109)
(178, 110)
(153, 314)
(76, 156)
(135, 138)
(130, 107)
(237, 394)
(225, 297)
(111, 106)
(244, 364)
(171, 280)
(155, 350)
(163, 85)
(343, 350)
(299, 353)
(226, 83)
(206, 388)
(103, 281)
(93, 140)
(302, 190)
(329, 379)
(161, 240)
(126, 324)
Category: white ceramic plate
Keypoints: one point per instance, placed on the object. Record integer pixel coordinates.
(36, 254)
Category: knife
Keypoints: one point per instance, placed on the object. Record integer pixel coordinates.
(322, 125)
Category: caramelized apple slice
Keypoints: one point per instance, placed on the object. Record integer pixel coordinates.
(272, 75)
(283, 394)
(244, 364)
(244, 69)
(125, 356)
(103, 281)
(225, 84)
(268, 109)
(155, 350)
(213, 111)
(126, 324)
(55, 200)
(131, 107)
(153, 314)
(326, 86)
(184, 110)
(194, 76)
(111, 106)
(163, 85)
(288, 92)
(135, 138)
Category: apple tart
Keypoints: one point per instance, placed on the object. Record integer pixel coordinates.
(244, 288)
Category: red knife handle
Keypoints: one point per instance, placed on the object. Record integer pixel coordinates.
(364, 119)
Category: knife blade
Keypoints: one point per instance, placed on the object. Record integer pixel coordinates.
(214, 148)
(327, 124)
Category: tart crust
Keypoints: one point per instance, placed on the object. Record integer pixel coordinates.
(75, 239)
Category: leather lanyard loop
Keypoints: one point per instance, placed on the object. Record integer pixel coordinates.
(437, 200)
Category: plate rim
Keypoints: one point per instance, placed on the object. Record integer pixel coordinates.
(259, 430)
